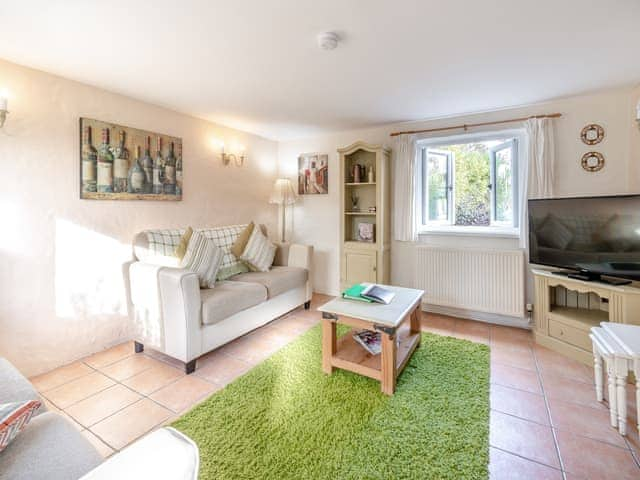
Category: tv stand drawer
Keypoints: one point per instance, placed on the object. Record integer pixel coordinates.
(572, 335)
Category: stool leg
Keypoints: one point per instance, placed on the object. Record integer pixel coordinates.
(621, 393)
(613, 403)
(597, 370)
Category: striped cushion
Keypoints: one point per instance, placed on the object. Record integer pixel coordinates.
(259, 252)
(203, 258)
(13, 418)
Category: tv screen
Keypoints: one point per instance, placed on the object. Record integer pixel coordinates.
(600, 235)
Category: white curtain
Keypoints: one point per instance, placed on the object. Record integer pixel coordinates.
(404, 200)
(537, 173)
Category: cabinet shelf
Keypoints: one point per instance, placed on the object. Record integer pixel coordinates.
(360, 213)
(579, 317)
(357, 184)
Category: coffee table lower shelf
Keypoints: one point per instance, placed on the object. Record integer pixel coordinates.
(350, 355)
(398, 344)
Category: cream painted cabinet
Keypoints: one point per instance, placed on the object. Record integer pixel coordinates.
(565, 309)
(359, 266)
(365, 215)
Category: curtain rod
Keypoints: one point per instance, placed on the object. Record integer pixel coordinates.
(470, 125)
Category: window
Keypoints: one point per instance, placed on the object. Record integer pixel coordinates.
(470, 183)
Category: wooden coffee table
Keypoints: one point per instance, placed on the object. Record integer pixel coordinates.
(398, 322)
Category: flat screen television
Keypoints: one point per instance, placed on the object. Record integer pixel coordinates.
(591, 236)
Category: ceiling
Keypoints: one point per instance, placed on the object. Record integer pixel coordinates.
(255, 65)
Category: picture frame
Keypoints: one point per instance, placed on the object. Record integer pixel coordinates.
(125, 163)
(313, 174)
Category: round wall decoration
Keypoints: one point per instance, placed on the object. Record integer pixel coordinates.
(592, 134)
(592, 161)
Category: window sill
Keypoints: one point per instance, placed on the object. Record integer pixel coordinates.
(496, 232)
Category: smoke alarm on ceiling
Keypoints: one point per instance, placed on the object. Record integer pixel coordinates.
(327, 40)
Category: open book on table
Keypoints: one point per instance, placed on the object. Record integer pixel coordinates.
(369, 292)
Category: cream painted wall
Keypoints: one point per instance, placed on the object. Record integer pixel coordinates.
(316, 220)
(61, 291)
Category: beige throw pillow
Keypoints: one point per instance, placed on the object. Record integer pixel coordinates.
(259, 252)
(241, 242)
(204, 258)
(181, 249)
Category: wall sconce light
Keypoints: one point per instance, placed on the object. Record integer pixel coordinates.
(3, 108)
(237, 158)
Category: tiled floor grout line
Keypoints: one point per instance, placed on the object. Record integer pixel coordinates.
(546, 404)
(526, 458)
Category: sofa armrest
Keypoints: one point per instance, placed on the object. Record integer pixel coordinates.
(165, 453)
(300, 256)
(165, 309)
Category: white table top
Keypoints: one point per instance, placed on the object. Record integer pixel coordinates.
(390, 315)
(628, 336)
(611, 347)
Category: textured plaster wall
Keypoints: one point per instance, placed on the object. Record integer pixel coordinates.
(61, 290)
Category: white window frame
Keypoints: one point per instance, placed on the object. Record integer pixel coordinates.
(496, 228)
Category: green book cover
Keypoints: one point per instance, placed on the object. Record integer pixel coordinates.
(354, 293)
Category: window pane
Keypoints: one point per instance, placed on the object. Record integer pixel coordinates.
(437, 204)
(472, 178)
(504, 187)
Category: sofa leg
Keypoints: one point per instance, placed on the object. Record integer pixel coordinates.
(138, 347)
(307, 305)
(190, 367)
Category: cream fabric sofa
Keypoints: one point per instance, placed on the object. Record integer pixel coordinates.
(173, 315)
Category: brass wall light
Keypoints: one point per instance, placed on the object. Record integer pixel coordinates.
(236, 158)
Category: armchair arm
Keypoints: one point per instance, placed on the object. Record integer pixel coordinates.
(165, 309)
(165, 453)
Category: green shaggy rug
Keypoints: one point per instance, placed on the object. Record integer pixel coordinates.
(285, 419)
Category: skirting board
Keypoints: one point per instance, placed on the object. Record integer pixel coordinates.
(479, 316)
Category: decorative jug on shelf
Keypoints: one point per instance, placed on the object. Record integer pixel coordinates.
(357, 172)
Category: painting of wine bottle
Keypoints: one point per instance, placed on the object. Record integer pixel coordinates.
(117, 163)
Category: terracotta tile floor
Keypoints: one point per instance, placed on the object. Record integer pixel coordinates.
(545, 421)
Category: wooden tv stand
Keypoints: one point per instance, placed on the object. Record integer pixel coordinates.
(565, 310)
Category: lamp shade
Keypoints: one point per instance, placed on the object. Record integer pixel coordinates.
(283, 192)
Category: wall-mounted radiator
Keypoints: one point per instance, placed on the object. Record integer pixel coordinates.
(489, 281)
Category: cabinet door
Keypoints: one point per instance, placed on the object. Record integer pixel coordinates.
(359, 267)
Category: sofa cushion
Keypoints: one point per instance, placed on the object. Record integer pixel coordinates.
(259, 252)
(49, 447)
(229, 298)
(14, 417)
(15, 387)
(277, 280)
(202, 257)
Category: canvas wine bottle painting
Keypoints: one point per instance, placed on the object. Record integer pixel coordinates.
(119, 163)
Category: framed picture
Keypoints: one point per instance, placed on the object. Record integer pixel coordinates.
(124, 163)
(313, 174)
